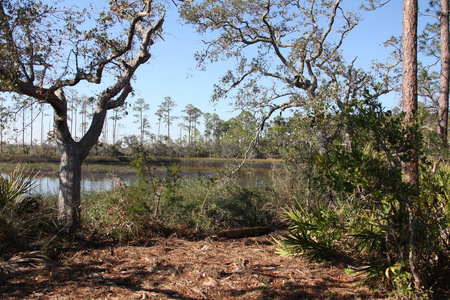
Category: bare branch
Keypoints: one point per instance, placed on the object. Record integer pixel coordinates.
(274, 42)
(120, 101)
(327, 31)
(289, 104)
(141, 57)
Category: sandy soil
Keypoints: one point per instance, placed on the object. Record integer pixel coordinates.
(174, 268)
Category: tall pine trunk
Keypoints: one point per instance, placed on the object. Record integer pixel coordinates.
(411, 164)
(410, 16)
(445, 72)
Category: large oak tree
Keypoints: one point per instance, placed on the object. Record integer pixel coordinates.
(287, 54)
(45, 50)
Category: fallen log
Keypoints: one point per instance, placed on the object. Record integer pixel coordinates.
(244, 232)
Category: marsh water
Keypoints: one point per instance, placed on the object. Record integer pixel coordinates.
(102, 182)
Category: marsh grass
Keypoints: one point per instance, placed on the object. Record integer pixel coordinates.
(52, 168)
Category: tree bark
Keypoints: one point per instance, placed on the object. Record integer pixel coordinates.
(445, 72)
(410, 17)
(410, 166)
(69, 197)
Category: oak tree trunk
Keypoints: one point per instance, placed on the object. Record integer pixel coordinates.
(69, 196)
(72, 156)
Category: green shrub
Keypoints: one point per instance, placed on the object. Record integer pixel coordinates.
(15, 186)
(233, 205)
(115, 212)
(369, 214)
(314, 231)
(27, 222)
(200, 204)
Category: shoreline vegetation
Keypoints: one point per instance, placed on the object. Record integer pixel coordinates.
(49, 165)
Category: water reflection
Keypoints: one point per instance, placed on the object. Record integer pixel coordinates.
(49, 184)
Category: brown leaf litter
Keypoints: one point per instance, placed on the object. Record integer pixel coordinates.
(174, 268)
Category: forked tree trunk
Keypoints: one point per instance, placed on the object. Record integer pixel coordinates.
(72, 156)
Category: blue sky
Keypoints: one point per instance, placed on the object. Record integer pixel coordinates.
(172, 69)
